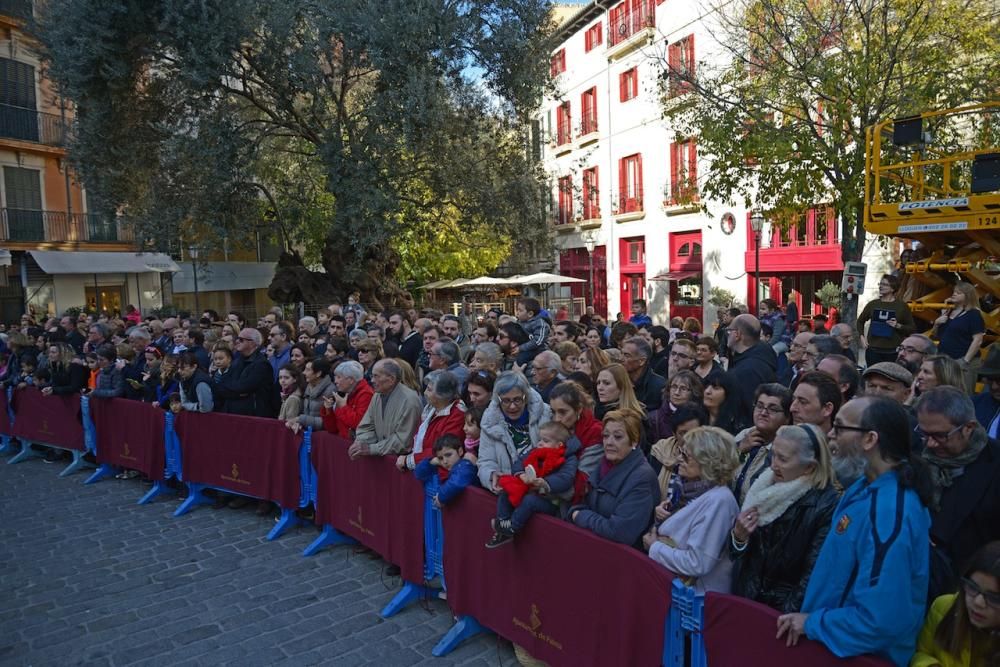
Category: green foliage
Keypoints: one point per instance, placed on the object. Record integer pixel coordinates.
(829, 295)
(348, 126)
(720, 297)
(784, 119)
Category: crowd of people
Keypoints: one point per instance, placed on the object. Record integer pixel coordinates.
(860, 502)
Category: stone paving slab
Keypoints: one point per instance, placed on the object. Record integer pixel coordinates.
(88, 577)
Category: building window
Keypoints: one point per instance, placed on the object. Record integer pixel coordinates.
(635, 252)
(564, 132)
(23, 204)
(683, 172)
(630, 184)
(629, 18)
(591, 195)
(680, 58)
(592, 38)
(565, 200)
(628, 84)
(588, 103)
(558, 64)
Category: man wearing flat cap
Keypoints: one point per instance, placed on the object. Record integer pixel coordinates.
(888, 379)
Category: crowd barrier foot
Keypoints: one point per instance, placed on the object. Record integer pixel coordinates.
(329, 537)
(159, 488)
(287, 520)
(196, 496)
(409, 594)
(75, 465)
(687, 609)
(464, 628)
(103, 471)
(6, 445)
(26, 453)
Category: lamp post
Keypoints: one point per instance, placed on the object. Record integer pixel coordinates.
(756, 224)
(590, 240)
(193, 253)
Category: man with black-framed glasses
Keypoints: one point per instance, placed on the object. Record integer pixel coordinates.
(965, 467)
(868, 590)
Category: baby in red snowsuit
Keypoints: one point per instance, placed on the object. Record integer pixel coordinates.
(538, 476)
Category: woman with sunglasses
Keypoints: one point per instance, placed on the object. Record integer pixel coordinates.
(784, 520)
(962, 628)
(691, 534)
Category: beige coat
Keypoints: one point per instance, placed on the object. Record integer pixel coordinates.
(390, 422)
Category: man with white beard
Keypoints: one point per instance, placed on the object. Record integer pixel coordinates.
(845, 441)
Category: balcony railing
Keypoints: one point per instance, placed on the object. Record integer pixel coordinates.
(32, 226)
(564, 132)
(588, 123)
(19, 9)
(629, 19)
(30, 125)
(628, 203)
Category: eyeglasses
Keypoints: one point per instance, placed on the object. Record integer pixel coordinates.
(507, 402)
(678, 355)
(973, 590)
(937, 437)
(241, 339)
(772, 409)
(837, 428)
(908, 350)
(680, 387)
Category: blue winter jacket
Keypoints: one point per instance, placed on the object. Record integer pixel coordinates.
(620, 504)
(462, 475)
(868, 590)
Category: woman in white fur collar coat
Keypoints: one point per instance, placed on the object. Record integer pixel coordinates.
(784, 520)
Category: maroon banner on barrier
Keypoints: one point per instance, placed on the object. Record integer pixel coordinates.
(249, 455)
(371, 501)
(741, 632)
(4, 415)
(566, 595)
(130, 435)
(50, 420)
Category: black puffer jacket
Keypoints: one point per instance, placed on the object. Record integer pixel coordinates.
(775, 567)
(749, 370)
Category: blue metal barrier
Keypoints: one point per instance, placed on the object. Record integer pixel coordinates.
(90, 443)
(684, 628)
(328, 536)
(6, 447)
(171, 464)
(78, 461)
(433, 557)
(196, 490)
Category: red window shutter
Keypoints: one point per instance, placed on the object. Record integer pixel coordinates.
(638, 185)
(597, 30)
(692, 184)
(673, 172)
(621, 87)
(690, 46)
(622, 185)
(673, 62)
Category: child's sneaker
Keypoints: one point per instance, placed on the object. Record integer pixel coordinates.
(502, 534)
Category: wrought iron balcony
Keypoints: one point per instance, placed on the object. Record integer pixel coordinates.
(33, 226)
(31, 125)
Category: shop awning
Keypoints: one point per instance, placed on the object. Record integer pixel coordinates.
(224, 276)
(675, 276)
(54, 262)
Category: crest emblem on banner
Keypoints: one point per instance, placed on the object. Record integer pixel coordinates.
(533, 626)
(235, 471)
(44, 428)
(125, 450)
(534, 619)
(360, 523)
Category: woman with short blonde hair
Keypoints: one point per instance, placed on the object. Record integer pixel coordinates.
(692, 537)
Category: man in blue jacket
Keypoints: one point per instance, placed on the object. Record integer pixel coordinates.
(868, 590)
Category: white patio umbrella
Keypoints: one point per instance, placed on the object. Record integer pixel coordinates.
(544, 278)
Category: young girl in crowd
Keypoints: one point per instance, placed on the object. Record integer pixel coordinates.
(291, 383)
(91, 359)
(455, 472)
(962, 628)
(538, 478)
(473, 417)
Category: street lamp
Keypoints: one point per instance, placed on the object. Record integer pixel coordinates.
(589, 241)
(193, 253)
(756, 224)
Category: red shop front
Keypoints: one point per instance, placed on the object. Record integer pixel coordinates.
(576, 263)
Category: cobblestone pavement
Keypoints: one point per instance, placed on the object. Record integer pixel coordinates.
(87, 577)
